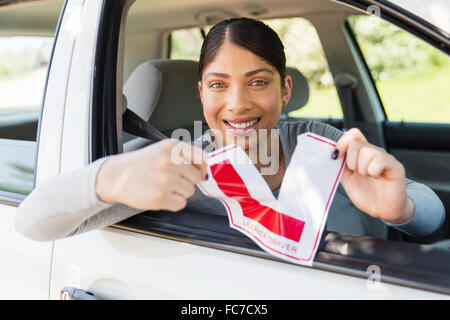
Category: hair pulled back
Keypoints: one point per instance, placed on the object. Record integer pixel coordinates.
(253, 35)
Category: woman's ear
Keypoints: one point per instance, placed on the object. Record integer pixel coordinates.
(286, 91)
(200, 88)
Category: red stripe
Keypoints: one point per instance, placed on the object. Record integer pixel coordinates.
(223, 151)
(232, 185)
(331, 144)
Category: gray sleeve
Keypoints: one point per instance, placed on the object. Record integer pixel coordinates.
(66, 205)
(429, 212)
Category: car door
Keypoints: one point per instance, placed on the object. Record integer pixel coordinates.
(25, 51)
(161, 255)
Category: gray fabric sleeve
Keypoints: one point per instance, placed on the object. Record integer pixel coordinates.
(67, 204)
(429, 212)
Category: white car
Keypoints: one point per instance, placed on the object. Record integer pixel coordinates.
(60, 120)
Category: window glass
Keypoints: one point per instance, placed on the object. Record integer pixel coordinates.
(24, 59)
(186, 44)
(307, 56)
(411, 76)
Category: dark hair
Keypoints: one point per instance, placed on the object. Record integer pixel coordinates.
(250, 34)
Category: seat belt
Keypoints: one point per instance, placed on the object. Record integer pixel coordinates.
(134, 124)
(347, 83)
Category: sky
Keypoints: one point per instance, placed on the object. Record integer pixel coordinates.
(435, 11)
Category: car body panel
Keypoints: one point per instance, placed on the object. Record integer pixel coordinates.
(137, 266)
(24, 264)
(52, 121)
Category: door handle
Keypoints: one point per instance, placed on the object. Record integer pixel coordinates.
(70, 293)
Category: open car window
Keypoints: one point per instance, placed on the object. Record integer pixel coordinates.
(343, 253)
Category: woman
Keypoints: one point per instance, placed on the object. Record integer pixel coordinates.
(243, 88)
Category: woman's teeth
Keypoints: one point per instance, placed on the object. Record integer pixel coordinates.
(243, 125)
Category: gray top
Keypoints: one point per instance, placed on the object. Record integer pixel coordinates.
(68, 205)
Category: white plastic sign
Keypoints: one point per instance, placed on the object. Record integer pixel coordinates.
(291, 226)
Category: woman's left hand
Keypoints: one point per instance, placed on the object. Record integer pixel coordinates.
(374, 180)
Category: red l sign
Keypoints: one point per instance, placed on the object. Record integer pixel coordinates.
(232, 185)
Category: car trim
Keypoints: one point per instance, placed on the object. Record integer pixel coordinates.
(406, 21)
(11, 199)
(103, 97)
(360, 59)
(38, 135)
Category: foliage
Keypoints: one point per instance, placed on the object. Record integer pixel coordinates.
(391, 52)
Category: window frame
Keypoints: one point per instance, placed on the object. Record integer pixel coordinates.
(14, 199)
(331, 255)
(405, 20)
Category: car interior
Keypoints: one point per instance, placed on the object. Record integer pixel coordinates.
(163, 91)
(151, 78)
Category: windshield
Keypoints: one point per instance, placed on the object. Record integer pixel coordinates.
(435, 12)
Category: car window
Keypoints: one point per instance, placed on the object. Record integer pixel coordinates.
(307, 56)
(24, 59)
(412, 87)
(161, 90)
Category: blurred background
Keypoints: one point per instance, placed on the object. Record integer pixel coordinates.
(412, 87)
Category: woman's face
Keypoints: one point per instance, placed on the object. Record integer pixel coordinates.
(241, 94)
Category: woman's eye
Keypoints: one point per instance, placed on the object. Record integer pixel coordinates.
(259, 83)
(217, 85)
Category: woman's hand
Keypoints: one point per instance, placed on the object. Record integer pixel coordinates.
(158, 177)
(374, 180)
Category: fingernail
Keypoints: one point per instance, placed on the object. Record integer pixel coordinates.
(335, 154)
(207, 177)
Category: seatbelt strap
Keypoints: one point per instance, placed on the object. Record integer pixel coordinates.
(347, 84)
(137, 126)
(134, 124)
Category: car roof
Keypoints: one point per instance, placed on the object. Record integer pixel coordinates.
(38, 18)
(173, 14)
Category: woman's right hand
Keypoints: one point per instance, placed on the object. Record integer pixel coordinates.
(158, 177)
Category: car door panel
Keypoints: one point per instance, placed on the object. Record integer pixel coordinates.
(137, 266)
(24, 264)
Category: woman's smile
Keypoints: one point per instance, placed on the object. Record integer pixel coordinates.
(241, 126)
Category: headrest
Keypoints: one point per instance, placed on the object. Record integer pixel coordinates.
(172, 86)
(300, 90)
